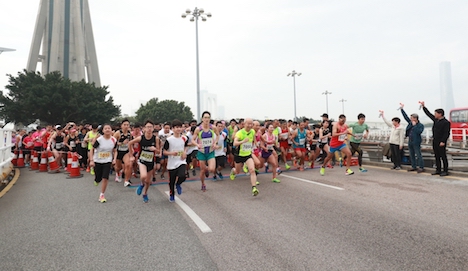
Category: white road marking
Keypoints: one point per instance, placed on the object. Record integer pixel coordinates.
(312, 182)
(198, 221)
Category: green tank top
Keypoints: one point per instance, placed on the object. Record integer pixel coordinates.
(91, 135)
(246, 148)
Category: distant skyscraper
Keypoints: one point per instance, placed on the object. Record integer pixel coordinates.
(446, 92)
(208, 102)
(65, 32)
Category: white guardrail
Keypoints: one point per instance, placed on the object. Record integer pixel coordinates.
(5, 146)
(456, 135)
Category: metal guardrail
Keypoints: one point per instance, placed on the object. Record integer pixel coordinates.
(5, 147)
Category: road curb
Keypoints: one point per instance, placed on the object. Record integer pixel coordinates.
(11, 183)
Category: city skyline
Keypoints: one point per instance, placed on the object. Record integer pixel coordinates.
(373, 55)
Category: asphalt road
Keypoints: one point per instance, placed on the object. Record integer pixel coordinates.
(379, 220)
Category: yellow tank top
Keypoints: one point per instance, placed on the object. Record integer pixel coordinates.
(91, 135)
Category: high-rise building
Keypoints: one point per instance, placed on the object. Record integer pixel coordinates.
(64, 32)
(446, 92)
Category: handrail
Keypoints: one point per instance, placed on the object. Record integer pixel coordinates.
(5, 147)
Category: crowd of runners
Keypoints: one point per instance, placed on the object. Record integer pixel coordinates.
(176, 149)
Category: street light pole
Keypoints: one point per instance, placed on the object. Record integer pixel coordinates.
(342, 101)
(195, 14)
(326, 93)
(293, 74)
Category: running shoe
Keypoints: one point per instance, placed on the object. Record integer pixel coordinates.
(245, 168)
(361, 169)
(287, 166)
(145, 198)
(179, 189)
(341, 162)
(117, 178)
(191, 166)
(294, 163)
(254, 191)
(128, 183)
(275, 180)
(214, 178)
(96, 183)
(87, 169)
(349, 172)
(207, 173)
(139, 189)
(171, 198)
(194, 173)
(203, 187)
(92, 171)
(267, 167)
(220, 175)
(312, 165)
(162, 177)
(233, 174)
(279, 171)
(322, 171)
(257, 183)
(102, 199)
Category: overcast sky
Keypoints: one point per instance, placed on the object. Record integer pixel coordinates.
(374, 54)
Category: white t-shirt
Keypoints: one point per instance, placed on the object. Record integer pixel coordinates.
(175, 144)
(190, 148)
(163, 136)
(104, 149)
(221, 138)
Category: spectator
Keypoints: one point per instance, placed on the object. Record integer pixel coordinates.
(413, 132)
(440, 133)
(397, 139)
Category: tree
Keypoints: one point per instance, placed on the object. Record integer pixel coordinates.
(162, 111)
(55, 99)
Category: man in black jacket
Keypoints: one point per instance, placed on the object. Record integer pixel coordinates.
(440, 133)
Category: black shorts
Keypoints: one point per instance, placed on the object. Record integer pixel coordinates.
(26, 151)
(242, 159)
(229, 148)
(191, 156)
(38, 148)
(322, 145)
(220, 161)
(121, 154)
(157, 160)
(101, 171)
(149, 165)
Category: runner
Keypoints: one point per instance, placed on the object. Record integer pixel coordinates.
(313, 138)
(175, 148)
(205, 138)
(93, 133)
(148, 148)
(337, 143)
(70, 141)
(245, 140)
(123, 136)
(56, 145)
(284, 145)
(220, 150)
(192, 152)
(360, 131)
(102, 155)
(163, 134)
(230, 140)
(299, 140)
(267, 151)
(324, 138)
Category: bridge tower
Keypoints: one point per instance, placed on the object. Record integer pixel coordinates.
(64, 33)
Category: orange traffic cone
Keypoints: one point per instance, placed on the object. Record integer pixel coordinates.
(75, 168)
(14, 161)
(34, 161)
(20, 161)
(43, 164)
(53, 166)
(69, 162)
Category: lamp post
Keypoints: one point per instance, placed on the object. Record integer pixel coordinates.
(342, 101)
(196, 13)
(293, 74)
(326, 93)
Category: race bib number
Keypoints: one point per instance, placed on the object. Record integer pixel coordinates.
(146, 156)
(72, 144)
(246, 147)
(342, 138)
(58, 145)
(123, 147)
(358, 136)
(104, 155)
(270, 147)
(284, 136)
(301, 141)
(207, 142)
(179, 153)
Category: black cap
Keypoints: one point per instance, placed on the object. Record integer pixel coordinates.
(324, 115)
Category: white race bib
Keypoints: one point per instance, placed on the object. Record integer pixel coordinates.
(207, 142)
(284, 135)
(270, 147)
(301, 141)
(342, 138)
(72, 144)
(59, 145)
(358, 136)
(146, 156)
(246, 147)
(104, 155)
(123, 147)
